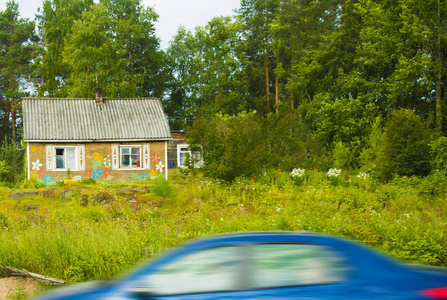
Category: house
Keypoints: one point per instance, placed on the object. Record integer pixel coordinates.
(178, 138)
(104, 139)
(178, 151)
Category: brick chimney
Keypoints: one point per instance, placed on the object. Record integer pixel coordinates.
(98, 92)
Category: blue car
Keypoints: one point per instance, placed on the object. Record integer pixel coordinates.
(270, 265)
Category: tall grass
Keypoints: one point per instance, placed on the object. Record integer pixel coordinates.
(61, 238)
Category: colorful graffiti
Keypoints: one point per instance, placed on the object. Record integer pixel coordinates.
(35, 151)
(152, 173)
(101, 169)
(96, 174)
(160, 166)
(36, 165)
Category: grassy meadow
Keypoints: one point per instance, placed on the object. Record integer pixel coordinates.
(79, 232)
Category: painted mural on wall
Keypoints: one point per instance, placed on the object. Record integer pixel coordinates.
(99, 161)
(152, 173)
(101, 169)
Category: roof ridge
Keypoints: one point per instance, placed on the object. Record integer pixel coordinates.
(49, 98)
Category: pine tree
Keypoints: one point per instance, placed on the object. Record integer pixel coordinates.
(17, 41)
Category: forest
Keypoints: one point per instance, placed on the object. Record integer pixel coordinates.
(356, 85)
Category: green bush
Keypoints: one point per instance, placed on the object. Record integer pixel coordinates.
(276, 177)
(369, 156)
(438, 154)
(346, 156)
(88, 181)
(11, 162)
(162, 188)
(247, 144)
(231, 146)
(433, 186)
(32, 183)
(405, 150)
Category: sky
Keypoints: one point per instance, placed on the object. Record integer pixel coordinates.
(172, 13)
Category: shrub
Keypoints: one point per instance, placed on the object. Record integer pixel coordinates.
(87, 181)
(405, 149)
(369, 156)
(247, 144)
(32, 183)
(438, 154)
(162, 188)
(70, 183)
(11, 162)
(346, 156)
(232, 146)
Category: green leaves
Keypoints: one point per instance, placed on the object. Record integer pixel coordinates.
(88, 53)
(56, 22)
(208, 74)
(405, 150)
(110, 44)
(17, 49)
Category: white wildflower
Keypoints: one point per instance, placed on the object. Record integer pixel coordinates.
(297, 172)
(363, 175)
(333, 172)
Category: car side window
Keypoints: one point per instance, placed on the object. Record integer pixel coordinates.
(276, 265)
(210, 270)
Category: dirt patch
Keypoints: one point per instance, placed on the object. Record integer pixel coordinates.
(12, 287)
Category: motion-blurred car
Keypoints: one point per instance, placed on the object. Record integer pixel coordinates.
(271, 265)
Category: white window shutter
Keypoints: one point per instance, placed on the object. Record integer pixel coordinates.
(146, 157)
(115, 157)
(81, 149)
(49, 157)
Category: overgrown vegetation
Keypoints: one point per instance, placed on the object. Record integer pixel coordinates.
(11, 163)
(98, 232)
(248, 145)
(350, 143)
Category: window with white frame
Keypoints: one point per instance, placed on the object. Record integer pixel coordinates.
(130, 157)
(65, 158)
(183, 153)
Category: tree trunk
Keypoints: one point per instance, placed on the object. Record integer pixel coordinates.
(438, 86)
(43, 73)
(7, 108)
(277, 95)
(439, 113)
(267, 80)
(13, 126)
(292, 104)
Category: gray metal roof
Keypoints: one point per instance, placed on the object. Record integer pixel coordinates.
(53, 119)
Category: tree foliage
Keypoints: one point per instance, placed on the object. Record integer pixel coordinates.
(113, 47)
(16, 43)
(292, 82)
(55, 20)
(11, 162)
(248, 144)
(405, 149)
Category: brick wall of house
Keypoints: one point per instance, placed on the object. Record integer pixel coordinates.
(97, 162)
